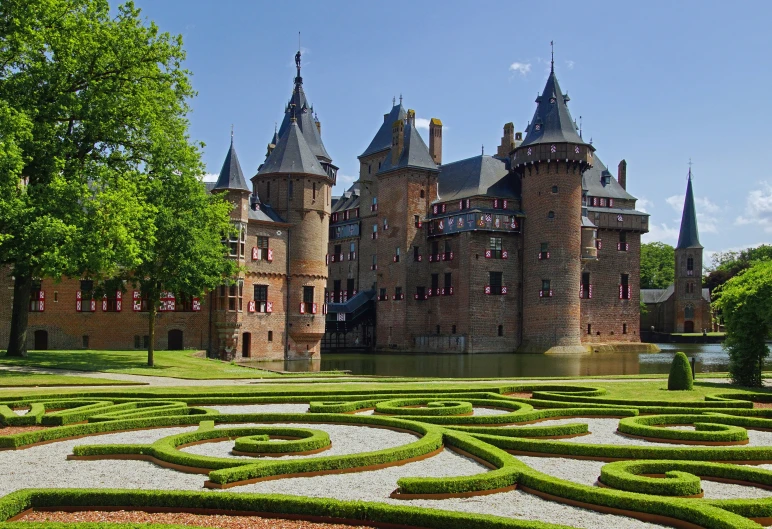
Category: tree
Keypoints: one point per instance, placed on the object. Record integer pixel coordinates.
(185, 255)
(681, 377)
(657, 265)
(726, 265)
(96, 90)
(746, 303)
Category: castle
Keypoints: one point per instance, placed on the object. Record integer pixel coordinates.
(533, 249)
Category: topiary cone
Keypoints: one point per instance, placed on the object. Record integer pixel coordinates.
(680, 377)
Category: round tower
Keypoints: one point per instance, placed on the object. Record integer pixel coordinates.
(295, 182)
(550, 162)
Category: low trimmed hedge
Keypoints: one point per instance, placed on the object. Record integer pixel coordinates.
(526, 431)
(8, 417)
(365, 512)
(434, 407)
(682, 476)
(308, 440)
(712, 428)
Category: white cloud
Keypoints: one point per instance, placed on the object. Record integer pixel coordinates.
(570, 65)
(343, 182)
(707, 212)
(210, 177)
(422, 123)
(643, 204)
(759, 208)
(523, 68)
(661, 233)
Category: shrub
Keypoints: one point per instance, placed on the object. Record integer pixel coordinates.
(680, 377)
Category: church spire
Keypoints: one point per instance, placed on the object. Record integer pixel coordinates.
(688, 237)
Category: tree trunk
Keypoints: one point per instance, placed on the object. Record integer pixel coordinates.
(151, 335)
(17, 343)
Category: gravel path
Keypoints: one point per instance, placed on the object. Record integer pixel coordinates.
(345, 440)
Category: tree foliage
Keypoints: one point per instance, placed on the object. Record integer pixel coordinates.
(91, 93)
(657, 265)
(680, 377)
(746, 303)
(726, 265)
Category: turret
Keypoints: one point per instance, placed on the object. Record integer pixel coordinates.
(550, 162)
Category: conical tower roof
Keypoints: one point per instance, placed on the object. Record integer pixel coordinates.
(414, 153)
(382, 139)
(292, 155)
(231, 175)
(552, 122)
(299, 108)
(689, 237)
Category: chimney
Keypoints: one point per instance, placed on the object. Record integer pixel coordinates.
(319, 127)
(435, 140)
(411, 116)
(397, 140)
(622, 174)
(507, 141)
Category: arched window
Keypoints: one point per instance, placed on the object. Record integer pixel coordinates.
(689, 312)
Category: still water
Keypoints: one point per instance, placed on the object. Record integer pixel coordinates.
(708, 357)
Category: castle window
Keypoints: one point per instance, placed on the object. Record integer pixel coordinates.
(690, 266)
(291, 189)
(589, 328)
(544, 252)
(624, 328)
(448, 250)
(555, 189)
(235, 293)
(385, 224)
(420, 293)
(501, 330)
(545, 287)
(261, 297)
(495, 281)
(422, 193)
(435, 284)
(374, 205)
(436, 249)
(308, 299)
(416, 221)
(495, 247)
(551, 215)
(396, 254)
(369, 169)
(690, 287)
(243, 242)
(623, 245)
(267, 191)
(374, 262)
(350, 287)
(624, 287)
(314, 191)
(438, 329)
(453, 329)
(36, 303)
(448, 282)
(586, 292)
(689, 312)
(397, 293)
(382, 296)
(270, 336)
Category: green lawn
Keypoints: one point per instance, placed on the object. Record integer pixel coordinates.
(177, 364)
(12, 379)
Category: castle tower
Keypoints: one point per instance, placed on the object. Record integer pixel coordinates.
(550, 162)
(688, 272)
(231, 182)
(296, 181)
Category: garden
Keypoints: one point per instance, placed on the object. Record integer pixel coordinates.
(428, 455)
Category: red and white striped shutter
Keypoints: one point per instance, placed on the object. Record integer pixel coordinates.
(270, 254)
(488, 254)
(539, 255)
(196, 304)
(460, 204)
(550, 293)
(104, 303)
(451, 291)
(581, 291)
(93, 305)
(620, 291)
(302, 308)
(503, 289)
(269, 306)
(548, 255)
(324, 308)
(42, 301)
(504, 254)
(137, 301)
(451, 256)
(504, 204)
(495, 203)
(541, 293)
(434, 209)
(629, 292)
(443, 208)
(590, 296)
(79, 301)
(327, 259)
(251, 306)
(487, 289)
(118, 300)
(313, 308)
(255, 254)
(611, 202)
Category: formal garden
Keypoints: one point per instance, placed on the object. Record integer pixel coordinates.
(394, 454)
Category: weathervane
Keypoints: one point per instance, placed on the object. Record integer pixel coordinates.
(552, 48)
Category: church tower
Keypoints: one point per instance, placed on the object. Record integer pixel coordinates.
(550, 162)
(296, 182)
(688, 272)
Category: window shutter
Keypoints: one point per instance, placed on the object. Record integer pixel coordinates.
(611, 202)
(251, 306)
(581, 290)
(270, 255)
(79, 301)
(590, 296)
(629, 292)
(487, 289)
(313, 308)
(620, 291)
(255, 254)
(196, 304)
(302, 308)
(93, 305)
(42, 301)
(104, 302)
(137, 301)
(118, 300)
(269, 306)
(495, 203)
(324, 308)
(503, 289)
(504, 204)
(504, 254)
(488, 254)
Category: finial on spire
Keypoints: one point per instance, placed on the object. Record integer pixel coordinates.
(231, 133)
(552, 47)
(400, 99)
(393, 100)
(483, 150)
(580, 126)
(690, 168)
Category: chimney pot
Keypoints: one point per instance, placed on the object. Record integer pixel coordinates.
(435, 140)
(622, 174)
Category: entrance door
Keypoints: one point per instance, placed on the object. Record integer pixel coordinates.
(175, 340)
(688, 326)
(41, 340)
(246, 345)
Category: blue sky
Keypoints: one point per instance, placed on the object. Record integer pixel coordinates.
(656, 83)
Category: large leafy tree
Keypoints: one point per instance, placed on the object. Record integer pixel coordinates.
(657, 265)
(185, 255)
(746, 303)
(726, 265)
(96, 90)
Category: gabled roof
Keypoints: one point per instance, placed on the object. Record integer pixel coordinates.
(382, 139)
(264, 214)
(552, 122)
(479, 175)
(292, 155)
(689, 238)
(593, 182)
(231, 176)
(349, 199)
(414, 154)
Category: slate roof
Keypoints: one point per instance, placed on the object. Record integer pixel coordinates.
(660, 295)
(292, 155)
(349, 199)
(592, 182)
(264, 214)
(689, 238)
(303, 112)
(382, 139)
(598, 209)
(231, 176)
(479, 175)
(414, 154)
(552, 118)
(587, 223)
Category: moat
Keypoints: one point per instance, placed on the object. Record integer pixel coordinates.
(708, 358)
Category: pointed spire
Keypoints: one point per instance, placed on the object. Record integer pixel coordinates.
(292, 154)
(231, 176)
(552, 49)
(689, 237)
